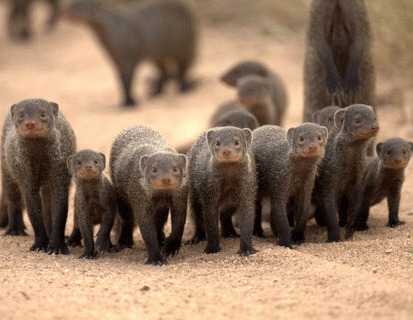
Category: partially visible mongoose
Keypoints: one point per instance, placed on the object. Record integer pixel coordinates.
(162, 31)
(36, 141)
(287, 164)
(95, 202)
(222, 181)
(278, 90)
(339, 180)
(325, 117)
(338, 65)
(384, 178)
(149, 178)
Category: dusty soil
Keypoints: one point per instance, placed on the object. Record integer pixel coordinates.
(369, 277)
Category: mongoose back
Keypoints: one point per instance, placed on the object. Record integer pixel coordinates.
(338, 65)
(95, 202)
(222, 181)
(384, 178)
(339, 180)
(162, 31)
(278, 90)
(286, 168)
(36, 141)
(149, 178)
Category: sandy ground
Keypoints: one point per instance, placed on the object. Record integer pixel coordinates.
(369, 277)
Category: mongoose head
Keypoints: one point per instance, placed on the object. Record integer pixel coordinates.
(241, 70)
(237, 118)
(34, 118)
(86, 164)
(308, 140)
(163, 170)
(229, 144)
(394, 153)
(87, 11)
(253, 90)
(325, 117)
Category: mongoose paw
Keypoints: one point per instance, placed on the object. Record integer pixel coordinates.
(104, 245)
(212, 249)
(195, 240)
(59, 248)
(230, 235)
(259, 233)
(285, 243)
(38, 247)
(247, 252)
(298, 238)
(15, 232)
(120, 246)
(129, 102)
(74, 242)
(394, 224)
(361, 226)
(171, 247)
(87, 255)
(159, 261)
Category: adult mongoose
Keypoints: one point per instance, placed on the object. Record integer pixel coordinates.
(325, 117)
(338, 63)
(36, 141)
(278, 89)
(287, 164)
(94, 201)
(222, 181)
(384, 178)
(149, 178)
(161, 31)
(339, 180)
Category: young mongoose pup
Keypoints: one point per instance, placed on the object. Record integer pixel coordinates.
(36, 141)
(95, 202)
(384, 178)
(149, 178)
(222, 182)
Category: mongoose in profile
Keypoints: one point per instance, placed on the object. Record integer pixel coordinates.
(338, 64)
(384, 178)
(149, 178)
(287, 164)
(339, 180)
(95, 202)
(325, 117)
(278, 90)
(36, 142)
(162, 31)
(222, 181)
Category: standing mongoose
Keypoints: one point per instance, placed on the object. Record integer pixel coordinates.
(162, 31)
(339, 180)
(384, 178)
(287, 164)
(278, 90)
(325, 117)
(95, 202)
(222, 181)
(36, 141)
(149, 178)
(338, 65)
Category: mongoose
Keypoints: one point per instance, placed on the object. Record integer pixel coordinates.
(95, 202)
(287, 164)
(384, 178)
(222, 181)
(325, 117)
(278, 90)
(149, 178)
(339, 180)
(338, 65)
(36, 141)
(162, 31)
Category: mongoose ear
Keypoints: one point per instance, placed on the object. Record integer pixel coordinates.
(378, 149)
(13, 110)
(183, 160)
(411, 146)
(339, 118)
(248, 136)
(103, 158)
(209, 135)
(55, 108)
(290, 134)
(324, 131)
(69, 164)
(143, 162)
(316, 116)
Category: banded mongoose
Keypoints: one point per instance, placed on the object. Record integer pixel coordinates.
(325, 117)
(36, 141)
(222, 182)
(149, 178)
(338, 63)
(94, 201)
(161, 31)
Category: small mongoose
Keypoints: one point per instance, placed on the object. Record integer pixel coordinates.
(338, 63)
(162, 31)
(384, 178)
(149, 178)
(278, 89)
(222, 181)
(36, 141)
(95, 202)
(287, 164)
(325, 117)
(339, 180)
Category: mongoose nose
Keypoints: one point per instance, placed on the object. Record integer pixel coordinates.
(166, 181)
(375, 127)
(30, 124)
(88, 167)
(226, 153)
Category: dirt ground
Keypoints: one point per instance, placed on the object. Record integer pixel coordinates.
(369, 277)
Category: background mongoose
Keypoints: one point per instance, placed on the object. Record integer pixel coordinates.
(36, 141)
(95, 202)
(339, 181)
(384, 178)
(338, 65)
(325, 117)
(278, 90)
(222, 182)
(286, 168)
(149, 179)
(162, 31)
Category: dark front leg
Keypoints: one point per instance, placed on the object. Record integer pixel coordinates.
(59, 207)
(86, 229)
(12, 208)
(103, 242)
(34, 210)
(75, 238)
(354, 198)
(210, 214)
(161, 218)
(393, 201)
(279, 222)
(178, 218)
(246, 225)
(363, 211)
(126, 76)
(227, 228)
(329, 210)
(301, 213)
(196, 214)
(128, 224)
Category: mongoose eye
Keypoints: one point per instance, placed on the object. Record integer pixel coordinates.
(79, 162)
(21, 115)
(236, 142)
(301, 139)
(43, 115)
(357, 120)
(319, 137)
(217, 143)
(96, 161)
(175, 170)
(154, 170)
(404, 152)
(388, 152)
